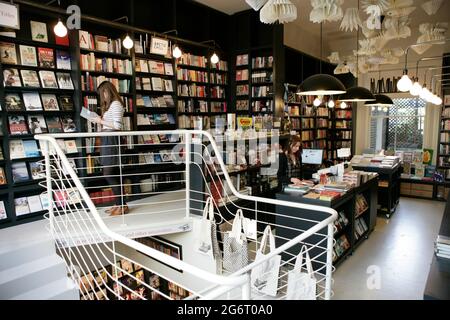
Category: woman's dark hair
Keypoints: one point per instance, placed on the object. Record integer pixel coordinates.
(113, 95)
(292, 142)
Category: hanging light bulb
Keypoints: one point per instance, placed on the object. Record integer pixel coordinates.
(404, 84)
(374, 108)
(438, 101)
(424, 93)
(331, 104)
(60, 29)
(380, 109)
(343, 105)
(415, 89)
(176, 53)
(317, 102)
(128, 42)
(214, 58)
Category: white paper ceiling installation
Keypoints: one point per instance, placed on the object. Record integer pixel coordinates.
(326, 10)
(256, 4)
(383, 5)
(432, 7)
(430, 32)
(282, 11)
(351, 20)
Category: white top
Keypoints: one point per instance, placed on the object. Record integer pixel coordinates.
(114, 115)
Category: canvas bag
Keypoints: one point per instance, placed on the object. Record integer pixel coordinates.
(264, 278)
(206, 235)
(302, 285)
(235, 246)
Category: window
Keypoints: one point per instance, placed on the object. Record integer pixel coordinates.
(399, 127)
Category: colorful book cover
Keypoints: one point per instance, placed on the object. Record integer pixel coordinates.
(37, 124)
(54, 125)
(66, 103)
(21, 205)
(3, 180)
(68, 124)
(50, 102)
(16, 150)
(11, 78)
(64, 81)
(8, 54)
(428, 156)
(39, 31)
(3, 214)
(32, 101)
(31, 149)
(20, 172)
(17, 125)
(46, 58)
(48, 79)
(37, 171)
(62, 41)
(30, 79)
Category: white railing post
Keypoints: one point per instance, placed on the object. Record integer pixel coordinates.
(48, 175)
(246, 288)
(121, 178)
(188, 142)
(329, 269)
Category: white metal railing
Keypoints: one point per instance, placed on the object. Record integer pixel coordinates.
(100, 251)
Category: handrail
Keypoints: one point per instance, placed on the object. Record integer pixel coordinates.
(236, 279)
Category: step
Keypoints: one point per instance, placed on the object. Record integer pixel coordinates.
(31, 275)
(17, 255)
(62, 289)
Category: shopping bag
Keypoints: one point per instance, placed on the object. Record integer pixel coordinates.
(264, 278)
(206, 235)
(302, 285)
(235, 246)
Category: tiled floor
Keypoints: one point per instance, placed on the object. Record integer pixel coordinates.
(401, 250)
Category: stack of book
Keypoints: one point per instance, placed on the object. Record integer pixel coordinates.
(389, 162)
(443, 247)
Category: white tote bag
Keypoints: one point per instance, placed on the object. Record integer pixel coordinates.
(264, 278)
(235, 246)
(302, 285)
(206, 235)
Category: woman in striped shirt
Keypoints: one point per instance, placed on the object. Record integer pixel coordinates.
(112, 115)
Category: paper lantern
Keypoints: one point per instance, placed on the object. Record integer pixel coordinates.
(432, 7)
(256, 4)
(382, 4)
(351, 20)
(282, 11)
(326, 10)
(334, 57)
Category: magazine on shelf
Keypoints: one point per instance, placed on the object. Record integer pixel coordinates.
(71, 146)
(28, 56)
(14, 102)
(32, 101)
(37, 171)
(17, 125)
(62, 41)
(157, 84)
(44, 201)
(66, 103)
(31, 149)
(168, 68)
(63, 60)
(21, 205)
(143, 64)
(11, 78)
(8, 54)
(34, 202)
(48, 79)
(168, 85)
(156, 67)
(37, 124)
(46, 58)
(64, 80)
(50, 102)
(3, 214)
(30, 79)
(3, 180)
(16, 150)
(54, 125)
(146, 84)
(68, 124)
(39, 31)
(20, 172)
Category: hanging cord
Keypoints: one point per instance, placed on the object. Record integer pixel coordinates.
(357, 54)
(321, 46)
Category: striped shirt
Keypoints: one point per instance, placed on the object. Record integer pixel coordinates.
(114, 115)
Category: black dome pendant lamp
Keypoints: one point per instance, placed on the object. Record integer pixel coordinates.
(321, 84)
(381, 100)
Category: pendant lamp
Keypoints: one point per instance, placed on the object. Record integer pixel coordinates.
(321, 84)
(381, 100)
(357, 94)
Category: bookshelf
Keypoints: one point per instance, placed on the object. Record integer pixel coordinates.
(341, 131)
(443, 157)
(38, 96)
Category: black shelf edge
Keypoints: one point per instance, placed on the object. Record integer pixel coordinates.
(34, 68)
(106, 53)
(34, 43)
(186, 66)
(93, 93)
(40, 89)
(107, 74)
(152, 56)
(193, 82)
(197, 98)
(153, 75)
(153, 92)
(262, 69)
(260, 84)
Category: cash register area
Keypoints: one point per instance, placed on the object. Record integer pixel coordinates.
(393, 261)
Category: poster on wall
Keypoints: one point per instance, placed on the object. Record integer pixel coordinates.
(9, 15)
(159, 46)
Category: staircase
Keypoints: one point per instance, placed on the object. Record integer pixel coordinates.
(34, 271)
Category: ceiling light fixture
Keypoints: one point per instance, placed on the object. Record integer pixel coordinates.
(128, 42)
(214, 58)
(381, 100)
(176, 52)
(60, 29)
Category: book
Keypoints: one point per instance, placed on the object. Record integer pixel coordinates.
(28, 56)
(101, 43)
(20, 172)
(10, 34)
(44, 201)
(66, 103)
(37, 124)
(17, 125)
(50, 102)
(3, 180)
(11, 78)
(168, 85)
(54, 125)
(62, 41)
(39, 31)
(3, 214)
(21, 206)
(14, 102)
(68, 124)
(48, 79)
(84, 39)
(157, 84)
(1, 149)
(71, 146)
(168, 68)
(37, 171)
(8, 54)
(31, 149)
(46, 58)
(32, 101)
(34, 203)
(64, 80)
(63, 60)
(146, 85)
(30, 79)
(156, 67)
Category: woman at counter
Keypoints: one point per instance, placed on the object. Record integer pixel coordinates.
(289, 171)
